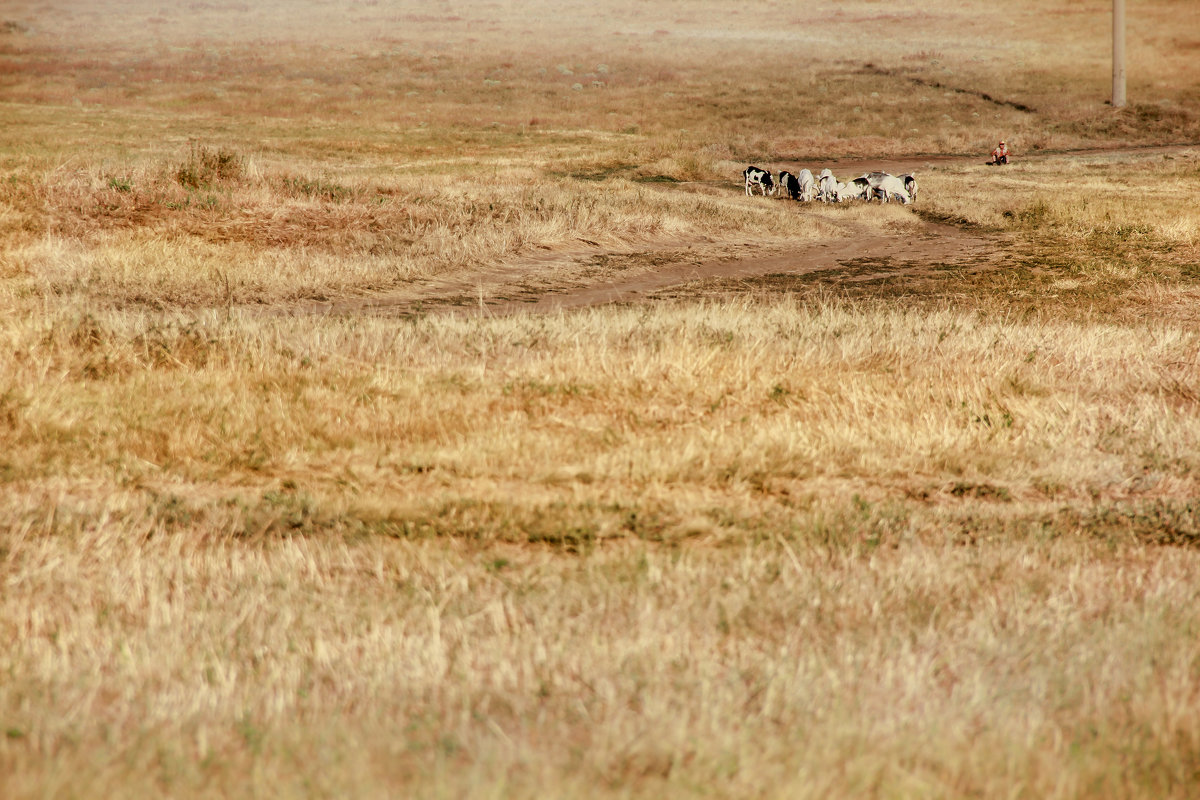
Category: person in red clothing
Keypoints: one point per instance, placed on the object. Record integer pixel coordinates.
(1000, 154)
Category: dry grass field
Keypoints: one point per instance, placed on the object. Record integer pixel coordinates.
(302, 495)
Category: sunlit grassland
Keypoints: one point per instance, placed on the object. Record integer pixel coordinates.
(314, 666)
(604, 411)
(896, 538)
(759, 80)
(1095, 238)
(766, 546)
(769, 545)
(1079, 198)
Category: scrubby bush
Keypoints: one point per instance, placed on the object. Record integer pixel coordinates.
(204, 167)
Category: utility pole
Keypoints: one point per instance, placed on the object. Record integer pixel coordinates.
(1118, 57)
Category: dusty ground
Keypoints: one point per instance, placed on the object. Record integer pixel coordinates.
(674, 268)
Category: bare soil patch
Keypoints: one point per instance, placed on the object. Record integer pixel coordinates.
(860, 257)
(674, 269)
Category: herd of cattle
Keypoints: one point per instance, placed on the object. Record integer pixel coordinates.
(829, 189)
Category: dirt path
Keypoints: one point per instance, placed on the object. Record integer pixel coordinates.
(595, 277)
(934, 244)
(556, 281)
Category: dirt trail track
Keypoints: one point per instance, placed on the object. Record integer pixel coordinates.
(559, 281)
(873, 255)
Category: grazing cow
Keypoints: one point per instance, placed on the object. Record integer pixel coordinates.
(760, 178)
(856, 189)
(910, 185)
(789, 184)
(807, 186)
(885, 187)
(828, 186)
(873, 180)
(890, 186)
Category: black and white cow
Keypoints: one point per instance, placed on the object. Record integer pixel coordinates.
(790, 184)
(910, 185)
(760, 178)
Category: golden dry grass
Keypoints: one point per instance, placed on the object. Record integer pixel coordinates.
(925, 535)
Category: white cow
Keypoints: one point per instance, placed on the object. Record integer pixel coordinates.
(890, 186)
(885, 187)
(910, 185)
(873, 179)
(808, 186)
(828, 187)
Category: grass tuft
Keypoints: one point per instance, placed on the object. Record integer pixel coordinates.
(205, 167)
